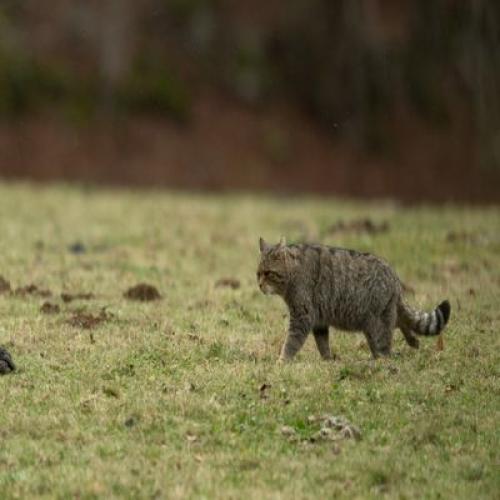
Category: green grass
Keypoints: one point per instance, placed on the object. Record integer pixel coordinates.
(163, 399)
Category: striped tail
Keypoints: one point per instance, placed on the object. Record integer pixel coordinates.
(425, 323)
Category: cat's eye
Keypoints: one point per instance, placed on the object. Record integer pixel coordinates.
(266, 274)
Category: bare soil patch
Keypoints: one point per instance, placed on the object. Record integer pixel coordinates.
(70, 297)
(358, 226)
(32, 290)
(88, 321)
(4, 285)
(50, 308)
(143, 293)
(228, 283)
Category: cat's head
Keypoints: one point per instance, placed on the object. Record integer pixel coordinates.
(275, 267)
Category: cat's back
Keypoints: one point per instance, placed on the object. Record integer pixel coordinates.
(347, 256)
(329, 261)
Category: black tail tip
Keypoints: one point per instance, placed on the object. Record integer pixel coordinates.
(445, 309)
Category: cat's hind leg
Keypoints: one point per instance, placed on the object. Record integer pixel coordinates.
(405, 326)
(379, 339)
(322, 343)
(410, 338)
(378, 331)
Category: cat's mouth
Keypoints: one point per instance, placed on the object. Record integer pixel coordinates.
(266, 289)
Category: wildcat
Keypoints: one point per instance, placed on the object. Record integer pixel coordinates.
(326, 286)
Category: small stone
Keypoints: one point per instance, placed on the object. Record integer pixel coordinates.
(286, 430)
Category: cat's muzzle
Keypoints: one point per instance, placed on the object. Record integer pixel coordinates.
(266, 289)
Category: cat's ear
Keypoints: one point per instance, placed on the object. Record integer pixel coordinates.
(282, 242)
(263, 245)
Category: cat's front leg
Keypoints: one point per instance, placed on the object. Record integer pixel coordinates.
(296, 336)
(321, 338)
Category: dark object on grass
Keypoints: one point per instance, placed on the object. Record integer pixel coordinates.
(142, 292)
(130, 422)
(6, 363)
(49, 308)
(70, 297)
(77, 248)
(358, 226)
(4, 285)
(32, 290)
(228, 282)
(88, 321)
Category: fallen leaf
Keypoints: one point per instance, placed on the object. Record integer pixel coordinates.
(440, 343)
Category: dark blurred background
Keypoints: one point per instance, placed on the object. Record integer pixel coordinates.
(367, 98)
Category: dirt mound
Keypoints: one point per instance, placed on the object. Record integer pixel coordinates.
(4, 285)
(32, 290)
(70, 297)
(77, 248)
(143, 293)
(358, 226)
(88, 321)
(49, 308)
(228, 283)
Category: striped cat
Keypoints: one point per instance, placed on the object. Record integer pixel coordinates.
(325, 286)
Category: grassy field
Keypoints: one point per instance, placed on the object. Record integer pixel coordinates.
(165, 399)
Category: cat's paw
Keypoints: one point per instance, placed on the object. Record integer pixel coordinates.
(330, 357)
